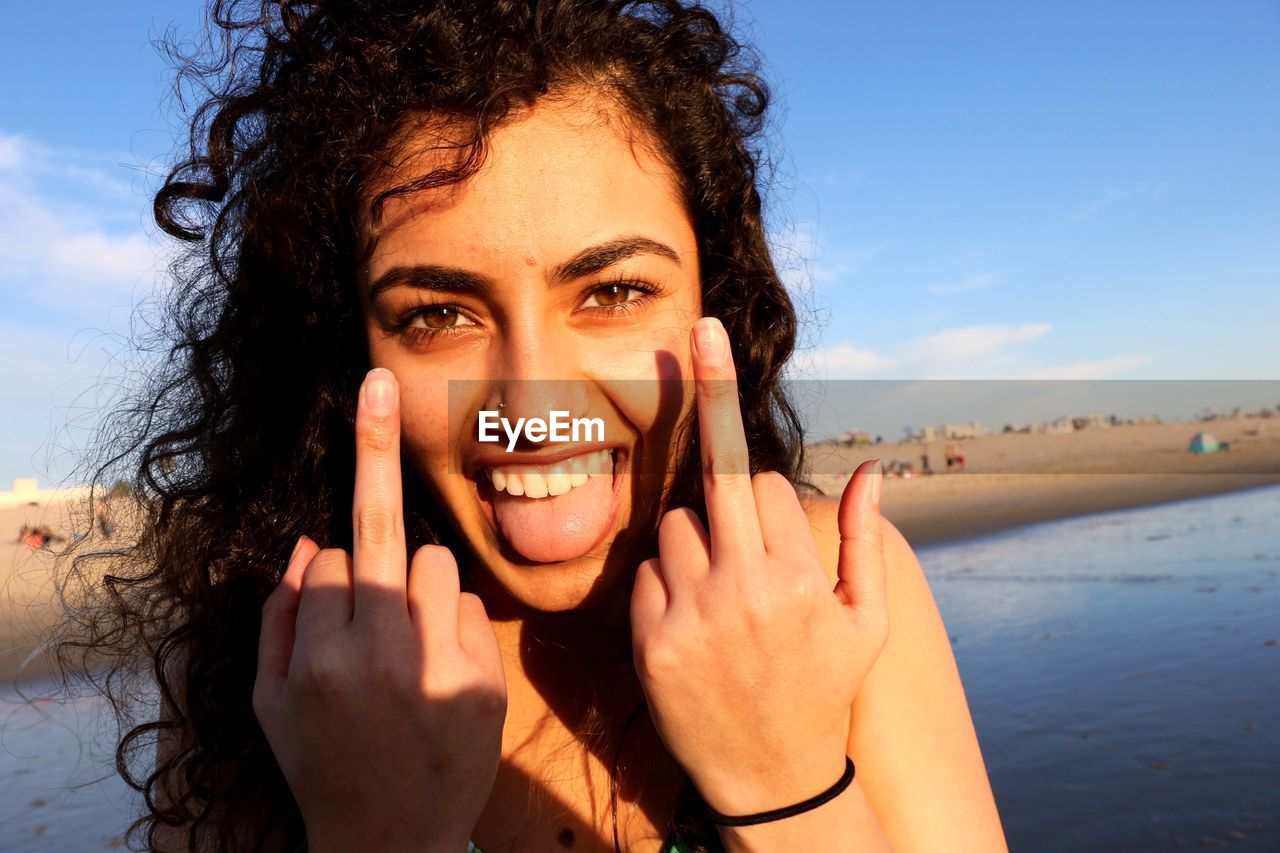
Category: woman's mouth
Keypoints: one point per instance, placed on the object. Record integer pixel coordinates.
(555, 511)
(557, 478)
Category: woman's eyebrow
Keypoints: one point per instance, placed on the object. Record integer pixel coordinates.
(432, 277)
(458, 280)
(593, 260)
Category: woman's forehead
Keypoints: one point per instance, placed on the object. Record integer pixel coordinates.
(559, 175)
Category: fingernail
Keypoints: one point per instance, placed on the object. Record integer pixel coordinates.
(877, 477)
(294, 556)
(380, 392)
(709, 340)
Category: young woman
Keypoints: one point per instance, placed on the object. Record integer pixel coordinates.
(373, 630)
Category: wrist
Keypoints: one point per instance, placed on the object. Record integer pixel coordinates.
(844, 823)
(750, 793)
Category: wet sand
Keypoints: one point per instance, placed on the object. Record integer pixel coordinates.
(1010, 480)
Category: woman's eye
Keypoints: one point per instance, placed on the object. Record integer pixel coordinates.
(438, 317)
(419, 326)
(613, 295)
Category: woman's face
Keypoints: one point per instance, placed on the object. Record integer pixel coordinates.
(562, 277)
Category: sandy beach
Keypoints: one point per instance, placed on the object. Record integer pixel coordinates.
(1016, 479)
(1009, 480)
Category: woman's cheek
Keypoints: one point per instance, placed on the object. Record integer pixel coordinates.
(427, 441)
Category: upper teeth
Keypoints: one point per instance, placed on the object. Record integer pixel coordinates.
(540, 481)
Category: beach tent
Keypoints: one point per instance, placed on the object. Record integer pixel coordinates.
(1203, 442)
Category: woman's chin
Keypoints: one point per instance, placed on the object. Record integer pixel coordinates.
(553, 587)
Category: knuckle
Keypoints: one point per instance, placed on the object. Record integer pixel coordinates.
(322, 670)
(656, 658)
(326, 568)
(328, 559)
(681, 518)
(379, 434)
(433, 555)
(773, 483)
(801, 587)
(471, 606)
(720, 390)
(759, 608)
(376, 525)
(484, 700)
(726, 463)
(754, 609)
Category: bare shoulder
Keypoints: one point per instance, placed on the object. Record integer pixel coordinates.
(912, 736)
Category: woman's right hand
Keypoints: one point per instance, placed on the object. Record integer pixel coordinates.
(380, 689)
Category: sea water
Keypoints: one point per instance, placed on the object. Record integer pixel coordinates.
(1123, 671)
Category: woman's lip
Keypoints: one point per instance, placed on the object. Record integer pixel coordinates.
(562, 452)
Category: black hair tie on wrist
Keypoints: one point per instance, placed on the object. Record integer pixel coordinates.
(790, 811)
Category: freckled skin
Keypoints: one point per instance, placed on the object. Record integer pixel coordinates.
(558, 180)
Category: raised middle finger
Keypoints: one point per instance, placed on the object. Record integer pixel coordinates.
(380, 563)
(726, 467)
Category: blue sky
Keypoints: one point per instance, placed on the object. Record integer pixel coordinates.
(977, 190)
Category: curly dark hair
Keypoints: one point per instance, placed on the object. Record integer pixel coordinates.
(302, 104)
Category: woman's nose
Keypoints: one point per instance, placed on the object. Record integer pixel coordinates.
(540, 373)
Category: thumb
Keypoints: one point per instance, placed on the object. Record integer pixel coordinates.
(280, 614)
(861, 566)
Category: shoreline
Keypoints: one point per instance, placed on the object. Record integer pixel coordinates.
(1015, 480)
(1009, 511)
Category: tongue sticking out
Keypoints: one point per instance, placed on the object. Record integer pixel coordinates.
(553, 529)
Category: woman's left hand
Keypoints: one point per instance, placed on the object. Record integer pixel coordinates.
(749, 659)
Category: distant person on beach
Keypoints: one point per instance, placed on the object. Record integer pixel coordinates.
(35, 539)
(102, 517)
(951, 457)
(924, 461)
(38, 537)
(374, 630)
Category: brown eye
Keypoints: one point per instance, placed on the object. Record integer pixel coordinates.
(612, 294)
(618, 295)
(440, 317)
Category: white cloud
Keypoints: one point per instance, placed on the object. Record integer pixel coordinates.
(988, 351)
(943, 349)
(846, 361)
(978, 281)
(70, 231)
(963, 351)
